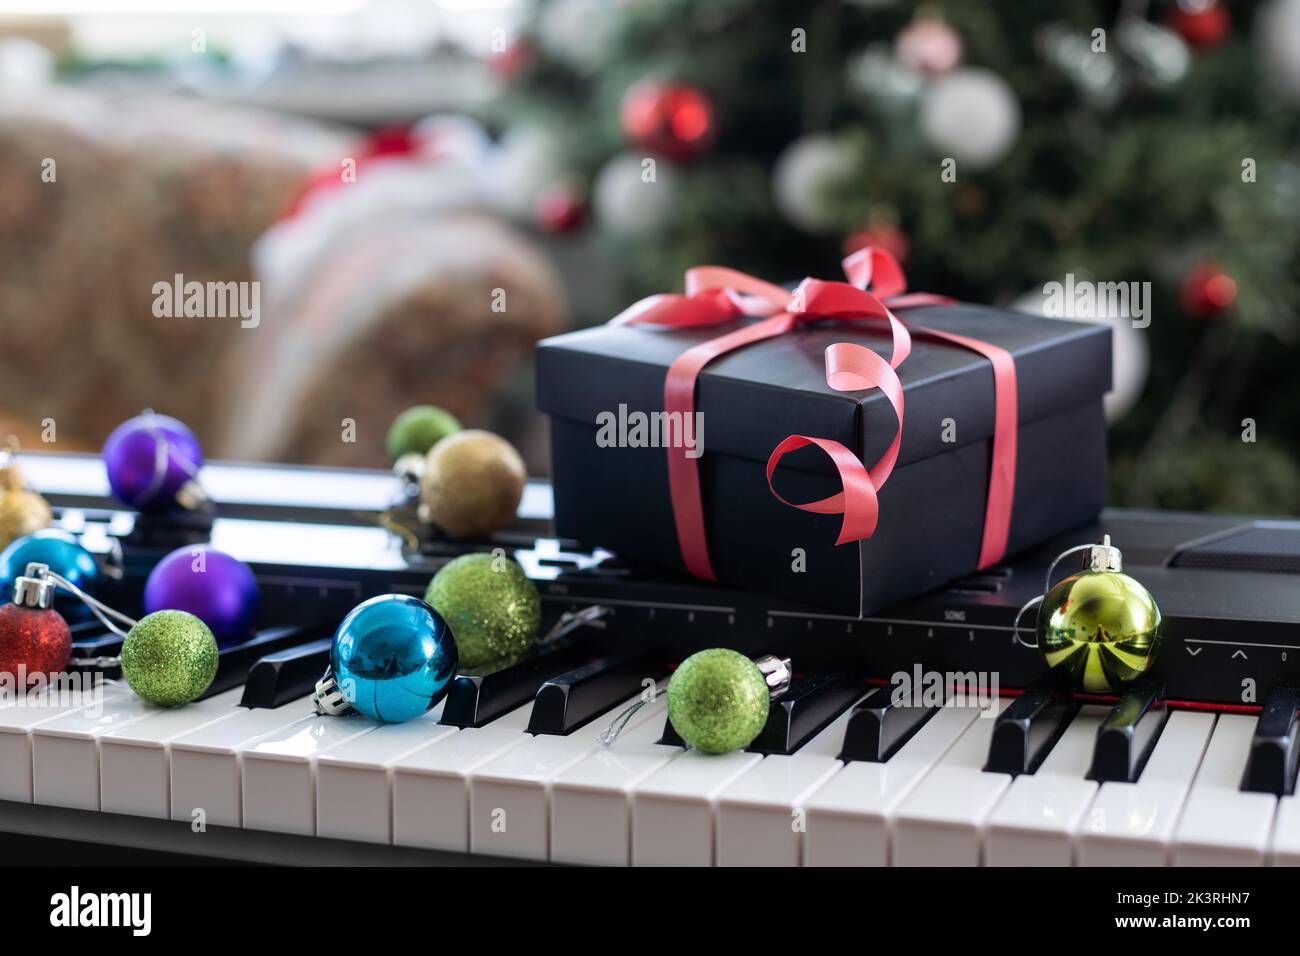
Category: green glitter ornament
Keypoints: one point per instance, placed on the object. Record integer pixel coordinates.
(492, 607)
(169, 657)
(418, 429)
(718, 699)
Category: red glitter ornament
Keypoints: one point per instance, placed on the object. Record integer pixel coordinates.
(674, 120)
(1203, 24)
(33, 641)
(1208, 292)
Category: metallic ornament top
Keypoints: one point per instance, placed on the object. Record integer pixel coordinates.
(1100, 628)
(393, 659)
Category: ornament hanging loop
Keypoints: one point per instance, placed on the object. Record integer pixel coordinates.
(1102, 557)
(569, 621)
(39, 578)
(1015, 630)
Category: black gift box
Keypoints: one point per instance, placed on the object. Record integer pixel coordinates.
(931, 508)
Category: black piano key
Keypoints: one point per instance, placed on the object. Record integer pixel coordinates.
(1271, 767)
(90, 630)
(878, 728)
(1027, 730)
(1129, 733)
(811, 702)
(235, 661)
(286, 675)
(566, 702)
(476, 699)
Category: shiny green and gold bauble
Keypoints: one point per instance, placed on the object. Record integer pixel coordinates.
(493, 608)
(1100, 627)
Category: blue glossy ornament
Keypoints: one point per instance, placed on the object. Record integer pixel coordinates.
(218, 589)
(394, 657)
(63, 554)
(149, 459)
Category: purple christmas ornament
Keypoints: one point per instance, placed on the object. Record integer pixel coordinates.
(217, 589)
(153, 462)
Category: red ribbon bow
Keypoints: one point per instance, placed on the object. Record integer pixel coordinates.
(874, 289)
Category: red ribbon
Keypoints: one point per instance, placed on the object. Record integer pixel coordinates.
(874, 289)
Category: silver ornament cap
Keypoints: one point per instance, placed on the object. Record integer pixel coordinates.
(328, 698)
(1104, 557)
(33, 588)
(777, 673)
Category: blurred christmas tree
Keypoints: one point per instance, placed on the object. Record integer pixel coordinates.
(995, 147)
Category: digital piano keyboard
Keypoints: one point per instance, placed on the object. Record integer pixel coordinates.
(1196, 765)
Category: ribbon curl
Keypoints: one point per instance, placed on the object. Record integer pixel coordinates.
(874, 288)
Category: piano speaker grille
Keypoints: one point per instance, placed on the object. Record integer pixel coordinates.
(1255, 547)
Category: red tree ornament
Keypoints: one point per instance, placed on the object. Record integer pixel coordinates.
(1208, 292)
(673, 120)
(33, 641)
(560, 210)
(1203, 24)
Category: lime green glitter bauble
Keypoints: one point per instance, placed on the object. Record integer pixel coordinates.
(418, 429)
(718, 701)
(169, 657)
(492, 607)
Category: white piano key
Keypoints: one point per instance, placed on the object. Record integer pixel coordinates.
(134, 775)
(279, 769)
(431, 784)
(674, 809)
(762, 814)
(851, 818)
(1132, 824)
(1285, 846)
(206, 766)
(1221, 825)
(510, 794)
(591, 816)
(354, 778)
(20, 715)
(65, 751)
(941, 822)
(1033, 823)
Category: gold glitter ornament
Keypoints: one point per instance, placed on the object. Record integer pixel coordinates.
(493, 608)
(472, 484)
(22, 511)
(169, 658)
